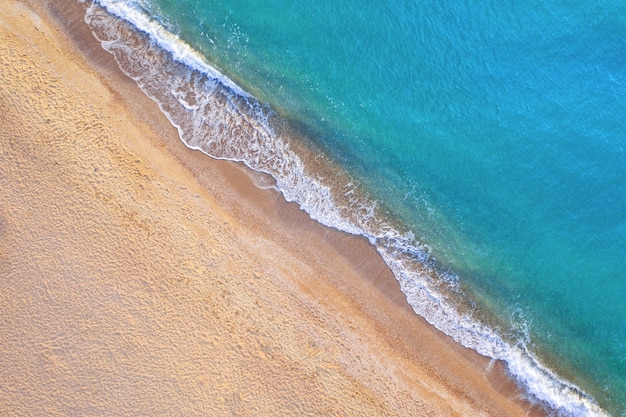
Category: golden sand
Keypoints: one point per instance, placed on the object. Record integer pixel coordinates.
(138, 277)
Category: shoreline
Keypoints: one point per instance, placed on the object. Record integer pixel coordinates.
(393, 358)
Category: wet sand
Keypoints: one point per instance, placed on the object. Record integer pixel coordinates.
(138, 277)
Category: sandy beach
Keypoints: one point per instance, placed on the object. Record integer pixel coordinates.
(138, 277)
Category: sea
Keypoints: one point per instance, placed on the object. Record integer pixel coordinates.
(478, 145)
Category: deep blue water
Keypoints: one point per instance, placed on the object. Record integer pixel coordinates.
(494, 132)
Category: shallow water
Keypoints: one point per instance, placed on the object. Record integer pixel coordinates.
(494, 135)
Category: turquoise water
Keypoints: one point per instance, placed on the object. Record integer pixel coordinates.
(494, 133)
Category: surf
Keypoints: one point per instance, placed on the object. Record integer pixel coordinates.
(217, 117)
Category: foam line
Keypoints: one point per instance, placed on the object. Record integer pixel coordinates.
(214, 115)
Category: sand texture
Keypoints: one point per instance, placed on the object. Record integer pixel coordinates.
(138, 277)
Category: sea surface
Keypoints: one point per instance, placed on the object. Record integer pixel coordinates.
(479, 145)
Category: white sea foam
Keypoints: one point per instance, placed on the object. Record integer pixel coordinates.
(540, 382)
(181, 51)
(214, 115)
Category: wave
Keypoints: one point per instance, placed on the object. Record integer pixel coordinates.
(214, 115)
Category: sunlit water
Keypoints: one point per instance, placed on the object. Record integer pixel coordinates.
(495, 134)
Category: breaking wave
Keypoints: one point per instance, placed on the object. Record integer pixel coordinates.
(214, 115)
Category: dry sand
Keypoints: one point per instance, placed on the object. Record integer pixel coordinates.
(138, 277)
